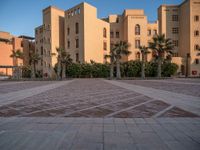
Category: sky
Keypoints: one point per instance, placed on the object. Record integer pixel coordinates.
(20, 17)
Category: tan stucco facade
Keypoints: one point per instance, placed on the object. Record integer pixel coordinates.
(180, 23)
(132, 26)
(10, 42)
(87, 37)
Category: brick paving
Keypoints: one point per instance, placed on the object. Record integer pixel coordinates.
(97, 114)
(17, 86)
(171, 85)
(88, 98)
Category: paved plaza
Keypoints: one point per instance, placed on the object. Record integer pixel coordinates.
(99, 114)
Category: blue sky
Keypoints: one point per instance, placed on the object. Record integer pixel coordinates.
(20, 17)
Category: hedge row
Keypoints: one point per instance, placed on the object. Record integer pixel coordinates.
(98, 70)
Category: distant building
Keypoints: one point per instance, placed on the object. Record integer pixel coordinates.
(181, 23)
(10, 42)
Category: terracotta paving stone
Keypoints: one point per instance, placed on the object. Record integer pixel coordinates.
(143, 111)
(178, 112)
(189, 89)
(89, 98)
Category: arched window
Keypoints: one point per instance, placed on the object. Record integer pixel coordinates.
(196, 33)
(196, 47)
(77, 28)
(68, 31)
(137, 29)
(104, 32)
(138, 55)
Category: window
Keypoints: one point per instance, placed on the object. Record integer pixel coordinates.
(36, 32)
(137, 43)
(196, 61)
(49, 40)
(72, 13)
(77, 43)
(68, 31)
(196, 47)
(149, 32)
(41, 50)
(111, 34)
(175, 42)
(137, 29)
(41, 63)
(44, 52)
(78, 11)
(174, 17)
(196, 18)
(77, 57)
(104, 32)
(104, 46)
(154, 32)
(117, 20)
(68, 44)
(117, 34)
(175, 54)
(175, 30)
(77, 28)
(22, 45)
(49, 65)
(196, 33)
(138, 55)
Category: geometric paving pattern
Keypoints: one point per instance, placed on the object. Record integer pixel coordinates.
(91, 98)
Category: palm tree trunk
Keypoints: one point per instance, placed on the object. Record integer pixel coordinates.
(159, 68)
(118, 69)
(15, 69)
(63, 70)
(58, 70)
(111, 70)
(143, 70)
(143, 67)
(33, 70)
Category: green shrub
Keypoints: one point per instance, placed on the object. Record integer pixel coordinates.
(169, 69)
(26, 72)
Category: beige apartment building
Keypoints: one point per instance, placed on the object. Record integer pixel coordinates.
(132, 26)
(181, 23)
(78, 30)
(86, 37)
(10, 42)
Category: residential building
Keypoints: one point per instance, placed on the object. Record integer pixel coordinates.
(10, 42)
(181, 23)
(78, 30)
(132, 26)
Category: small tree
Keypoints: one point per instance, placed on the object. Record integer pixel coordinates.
(16, 54)
(34, 58)
(160, 46)
(144, 51)
(112, 61)
(63, 59)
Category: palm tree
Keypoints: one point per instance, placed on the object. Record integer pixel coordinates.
(63, 59)
(112, 61)
(160, 46)
(34, 58)
(144, 51)
(16, 54)
(120, 49)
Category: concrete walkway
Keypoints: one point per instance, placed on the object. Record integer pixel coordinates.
(186, 102)
(99, 134)
(22, 94)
